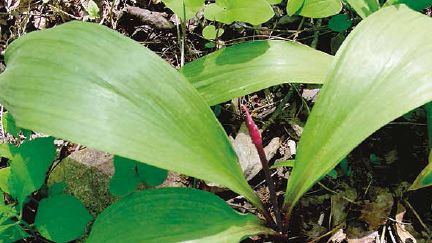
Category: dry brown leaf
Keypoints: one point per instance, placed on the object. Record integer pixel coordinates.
(370, 238)
(297, 129)
(338, 237)
(376, 211)
(402, 233)
(310, 94)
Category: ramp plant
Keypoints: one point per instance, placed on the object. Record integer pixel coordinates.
(88, 84)
(326, 8)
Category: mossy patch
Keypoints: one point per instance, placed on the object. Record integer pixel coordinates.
(86, 183)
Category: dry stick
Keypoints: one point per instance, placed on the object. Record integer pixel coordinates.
(257, 141)
(419, 219)
(183, 43)
(314, 43)
(183, 39)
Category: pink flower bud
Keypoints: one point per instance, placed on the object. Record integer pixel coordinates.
(254, 132)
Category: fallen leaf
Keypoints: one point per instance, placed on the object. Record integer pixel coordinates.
(292, 147)
(376, 211)
(297, 129)
(339, 204)
(338, 237)
(402, 233)
(40, 22)
(310, 94)
(370, 238)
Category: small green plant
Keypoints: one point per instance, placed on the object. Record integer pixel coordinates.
(144, 110)
(326, 8)
(60, 217)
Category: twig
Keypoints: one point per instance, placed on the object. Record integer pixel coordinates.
(303, 101)
(391, 235)
(335, 192)
(408, 205)
(383, 235)
(314, 43)
(407, 123)
(63, 12)
(183, 44)
(183, 36)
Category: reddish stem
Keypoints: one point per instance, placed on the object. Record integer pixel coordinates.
(255, 135)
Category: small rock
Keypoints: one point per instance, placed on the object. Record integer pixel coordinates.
(100, 160)
(248, 155)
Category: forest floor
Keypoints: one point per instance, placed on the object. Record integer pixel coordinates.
(366, 199)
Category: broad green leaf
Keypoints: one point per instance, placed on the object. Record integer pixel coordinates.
(29, 166)
(314, 8)
(128, 174)
(414, 4)
(249, 67)
(7, 150)
(173, 215)
(132, 104)
(4, 180)
(294, 6)
(62, 218)
(184, 8)
(253, 12)
(320, 8)
(364, 8)
(210, 32)
(424, 179)
(365, 89)
(9, 125)
(339, 23)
